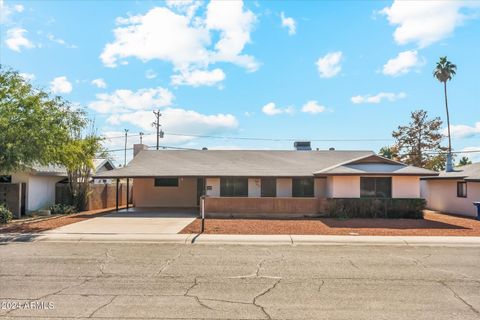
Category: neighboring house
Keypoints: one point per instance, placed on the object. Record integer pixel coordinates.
(38, 183)
(453, 192)
(258, 181)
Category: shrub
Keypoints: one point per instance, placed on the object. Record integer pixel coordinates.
(5, 214)
(62, 209)
(345, 208)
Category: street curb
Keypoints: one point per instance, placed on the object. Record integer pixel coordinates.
(242, 239)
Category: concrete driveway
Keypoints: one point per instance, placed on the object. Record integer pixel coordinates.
(133, 221)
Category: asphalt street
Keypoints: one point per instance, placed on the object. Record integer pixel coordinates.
(211, 281)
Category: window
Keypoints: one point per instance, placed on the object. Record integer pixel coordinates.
(302, 187)
(166, 182)
(371, 187)
(269, 187)
(461, 189)
(234, 187)
(5, 179)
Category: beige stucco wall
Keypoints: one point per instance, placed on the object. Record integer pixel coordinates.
(254, 187)
(284, 187)
(441, 195)
(214, 183)
(343, 187)
(145, 194)
(349, 187)
(405, 187)
(320, 188)
(40, 190)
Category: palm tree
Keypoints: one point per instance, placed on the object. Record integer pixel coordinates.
(444, 71)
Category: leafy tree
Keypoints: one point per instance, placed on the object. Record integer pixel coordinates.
(78, 159)
(464, 161)
(34, 127)
(445, 71)
(389, 152)
(419, 143)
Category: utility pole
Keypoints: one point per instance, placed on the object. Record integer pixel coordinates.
(157, 125)
(141, 137)
(125, 154)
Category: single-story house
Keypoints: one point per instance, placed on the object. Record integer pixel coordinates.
(263, 181)
(36, 185)
(455, 191)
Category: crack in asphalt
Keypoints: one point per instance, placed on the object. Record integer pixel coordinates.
(353, 264)
(269, 289)
(104, 262)
(102, 306)
(456, 295)
(168, 263)
(321, 285)
(187, 294)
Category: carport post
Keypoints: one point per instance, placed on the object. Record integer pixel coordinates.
(128, 191)
(116, 195)
(202, 211)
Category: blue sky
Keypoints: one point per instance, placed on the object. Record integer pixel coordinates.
(282, 70)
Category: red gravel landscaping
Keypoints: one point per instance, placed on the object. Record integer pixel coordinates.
(17, 226)
(433, 224)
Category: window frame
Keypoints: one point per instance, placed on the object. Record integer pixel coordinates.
(461, 194)
(303, 194)
(263, 192)
(224, 187)
(156, 183)
(376, 195)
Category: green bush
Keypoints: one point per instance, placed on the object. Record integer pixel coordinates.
(5, 214)
(62, 209)
(345, 208)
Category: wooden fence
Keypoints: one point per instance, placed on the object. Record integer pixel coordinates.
(101, 196)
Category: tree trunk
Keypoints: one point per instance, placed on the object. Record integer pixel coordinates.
(448, 118)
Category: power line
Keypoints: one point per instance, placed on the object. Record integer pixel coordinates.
(249, 138)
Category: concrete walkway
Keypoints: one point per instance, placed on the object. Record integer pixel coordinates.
(145, 221)
(125, 237)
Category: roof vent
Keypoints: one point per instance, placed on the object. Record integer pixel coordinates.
(331, 149)
(302, 146)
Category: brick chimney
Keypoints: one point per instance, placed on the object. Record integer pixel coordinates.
(139, 147)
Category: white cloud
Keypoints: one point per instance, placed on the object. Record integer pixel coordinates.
(28, 76)
(177, 120)
(329, 65)
(313, 107)
(390, 96)
(60, 85)
(62, 42)
(426, 22)
(16, 39)
(6, 11)
(271, 109)
(190, 47)
(150, 74)
(288, 23)
(99, 83)
(463, 131)
(198, 78)
(402, 64)
(234, 24)
(125, 100)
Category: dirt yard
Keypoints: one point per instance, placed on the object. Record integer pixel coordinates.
(434, 224)
(18, 226)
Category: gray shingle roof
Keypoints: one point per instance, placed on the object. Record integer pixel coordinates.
(467, 172)
(246, 163)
